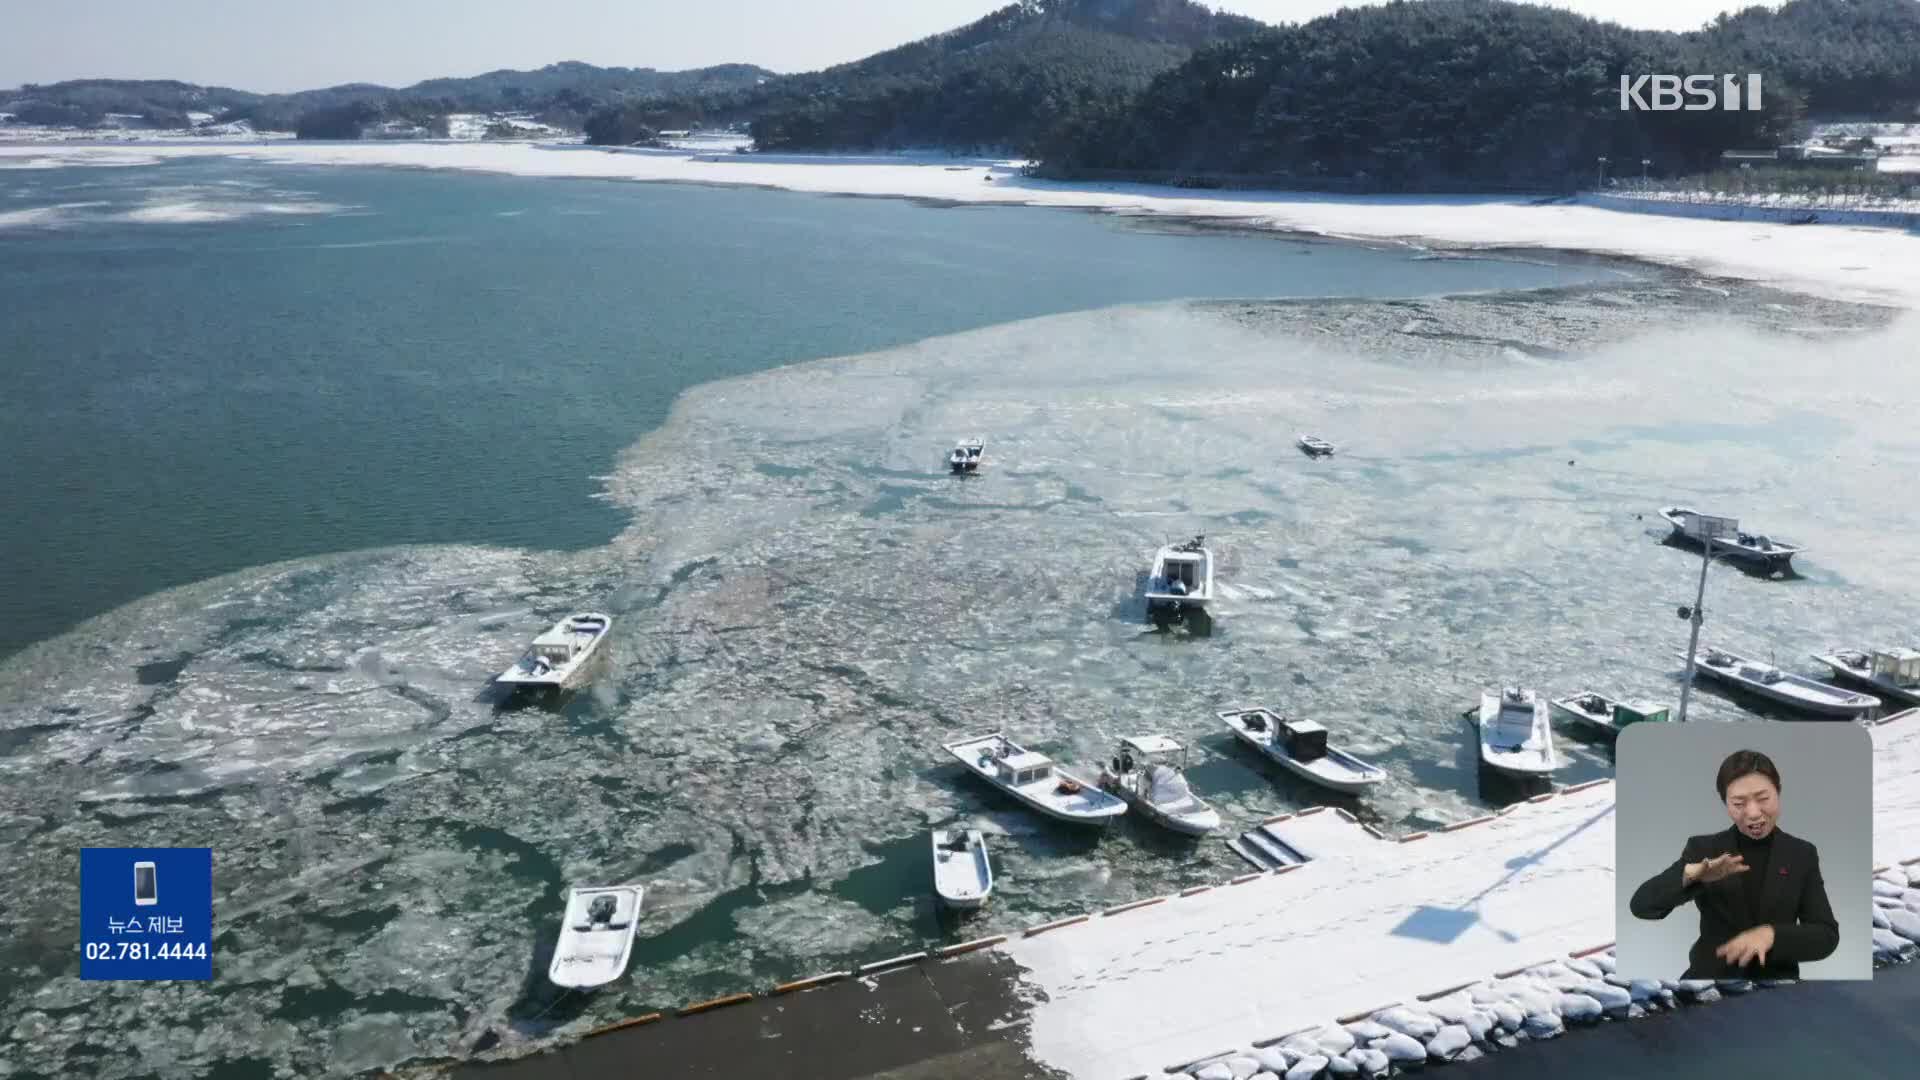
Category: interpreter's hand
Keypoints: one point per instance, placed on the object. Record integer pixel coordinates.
(1708, 871)
(1747, 947)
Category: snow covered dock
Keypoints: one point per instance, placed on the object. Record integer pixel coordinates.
(1434, 947)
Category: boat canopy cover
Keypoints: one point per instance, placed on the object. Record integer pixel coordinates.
(1166, 785)
(1150, 744)
(1024, 760)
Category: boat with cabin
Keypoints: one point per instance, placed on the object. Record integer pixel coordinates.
(1301, 747)
(962, 873)
(1030, 777)
(1604, 714)
(559, 658)
(596, 935)
(1694, 529)
(1314, 445)
(965, 456)
(1890, 673)
(1781, 687)
(1515, 737)
(1149, 772)
(1180, 586)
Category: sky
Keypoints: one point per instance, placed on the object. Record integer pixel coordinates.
(279, 45)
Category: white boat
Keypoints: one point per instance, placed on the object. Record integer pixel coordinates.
(1604, 713)
(965, 456)
(962, 876)
(1300, 747)
(1030, 778)
(1181, 583)
(1515, 737)
(1784, 688)
(1890, 673)
(559, 657)
(1314, 445)
(1149, 772)
(1692, 527)
(596, 935)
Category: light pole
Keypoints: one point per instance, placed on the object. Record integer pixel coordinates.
(1644, 162)
(1710, 528)
(1603, 172)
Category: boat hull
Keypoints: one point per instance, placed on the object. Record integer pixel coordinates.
(1876, 687)
(574, 673)
(1777, 560)
(964, 881)
(584, 959)
(1833, 708)
(1371, 775)
(1525, 764)
(1098, 817)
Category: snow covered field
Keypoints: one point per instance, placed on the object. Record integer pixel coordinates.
(1162, 986)
(1870, 264)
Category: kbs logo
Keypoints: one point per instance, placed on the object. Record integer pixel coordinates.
(1663, 93)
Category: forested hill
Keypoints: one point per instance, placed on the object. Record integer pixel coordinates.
(1476, 92)
(1003, 81)
(563, 94)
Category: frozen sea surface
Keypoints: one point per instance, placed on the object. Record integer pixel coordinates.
(808, 607)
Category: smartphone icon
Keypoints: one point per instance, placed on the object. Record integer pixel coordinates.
(145, 890)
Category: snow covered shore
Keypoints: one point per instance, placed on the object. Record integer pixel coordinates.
(1505, 937)
(1873, 265)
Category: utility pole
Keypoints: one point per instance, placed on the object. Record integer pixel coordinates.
(1709, 529)
(1644, 162)
(1603, 172)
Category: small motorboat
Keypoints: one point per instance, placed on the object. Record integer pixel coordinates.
(1602, 713)
(1780, 687)
(1030, 778)
(962, 874)
(1180, 585)
(965, 456)
(1149, 772)
(1889, 673)
(596, 935)
(1314, 446)
(1695, 529)
(559, 657)
(1515, 737)
(1301, 748)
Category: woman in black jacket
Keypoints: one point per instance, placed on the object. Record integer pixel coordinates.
(1763, 907)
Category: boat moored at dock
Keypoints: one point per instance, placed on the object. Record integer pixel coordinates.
(1301, 748)
(596, 935)
(1602, 713)
(962, 873)
(1149, 772)
(1890, 673)
(1781, 687)
(1515, 737)
(1031, 778)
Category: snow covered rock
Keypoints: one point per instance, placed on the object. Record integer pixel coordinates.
(1342, 1065)
(1888, 888)
(1307, 1068)
(1372, 1062)
(1333, 1040)
(1216, 1071)
(1448, 1042)
(1407, 1021)
(1266, 1076)
(1735, 986)
(1486, 993)
(1299, 1046)
(1609, 997)
(1506, 1042)
(1273, 1060)
(1367, 1030)
(1509, 1016)
(1913, 875)
(1583, 966)
(1889, 946)
(1693, 986)
(1644, 990)
(1904, 923)
(1399, 1047)
(1881, 919)
(1605, 962)
(1242, 1066)
(1707, 996)
(1580, 1007)
(1479, 1024)
(1547, 1025)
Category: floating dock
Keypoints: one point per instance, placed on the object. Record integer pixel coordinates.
(1270, 965)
